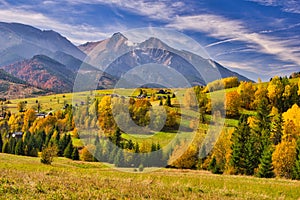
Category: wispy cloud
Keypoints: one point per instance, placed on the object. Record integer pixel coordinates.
(220, 42)
(230, 30)
(292, 6)
(76, 33)
(162, 10)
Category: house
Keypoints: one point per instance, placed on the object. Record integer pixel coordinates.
(40, 115)
(17, 135)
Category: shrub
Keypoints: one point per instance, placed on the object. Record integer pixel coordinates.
(141, 167)
(48, 155)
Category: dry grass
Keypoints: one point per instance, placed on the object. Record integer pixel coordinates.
(27, 178)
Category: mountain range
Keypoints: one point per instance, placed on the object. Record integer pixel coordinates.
(49, 62)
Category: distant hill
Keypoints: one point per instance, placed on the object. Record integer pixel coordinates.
(44, 72)
(8, 77)
(12, 87)
(51, 75)
(19, 41)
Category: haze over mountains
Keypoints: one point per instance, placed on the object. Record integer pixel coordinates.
(50, 62)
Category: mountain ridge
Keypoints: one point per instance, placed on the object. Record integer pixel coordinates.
(46, 59)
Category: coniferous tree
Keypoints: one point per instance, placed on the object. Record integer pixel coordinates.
(214, 167)
(152, 156)
(261, 133)
(1, 142)
(160, 102)
(19, 150)
(119, 160)
(136, 156)
(276, 129)
(130, 145)
(159, 154)
(239, 139)
(62, 145)
(296, 169)
(11, 145)
(97, 141)
(5, 147)
(98, 152)
(265, 169)
(250, 156)
(117, 137)
(108, 148)
(75, 154)
(113, 154)
(69, 150)
(168, 101)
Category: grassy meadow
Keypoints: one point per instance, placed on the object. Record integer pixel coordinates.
(26, 178)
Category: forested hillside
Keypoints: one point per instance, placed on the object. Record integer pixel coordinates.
(260, 137)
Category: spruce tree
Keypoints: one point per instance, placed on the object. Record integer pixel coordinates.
(261, 131)
(276, 129)
(69, 150)
(75, 154)
(1, 142)
(98, 152)
(250, 156)
(19, 150)
(62, 145)
(159, 156)
(265, 169)
(97, 141)
(119, 159)
(136, 156)
(113, 154)
(108, 148)
(240, 144)
(12, 144)
(117, 137)
(168, 101)
(152, 156)
(160, 102)
(214, 167)
(296, 169)
(5, 148)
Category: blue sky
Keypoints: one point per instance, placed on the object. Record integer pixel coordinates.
(257, 38)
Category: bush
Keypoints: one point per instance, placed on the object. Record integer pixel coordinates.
(141, 167)
(48, 155)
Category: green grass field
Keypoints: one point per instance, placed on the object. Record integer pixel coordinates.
(27, 178)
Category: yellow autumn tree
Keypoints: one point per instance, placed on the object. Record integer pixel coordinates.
(232, 104)
(275, 90)
(106, 120)
(14, 122)
(246, 91)
(222, 149)
(284, 158)
(291, 126)
(299, 87)
(189, 100)
(87, 153)
(29, 118)
(259, 94)
(184, 156)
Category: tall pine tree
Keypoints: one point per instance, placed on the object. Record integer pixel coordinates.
(1, 142)
(296, 169)
(75, 154)
(69, 150)
(265, 169)
(239, 139)
(119, 160)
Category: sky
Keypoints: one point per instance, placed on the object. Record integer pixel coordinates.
(256, 38)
